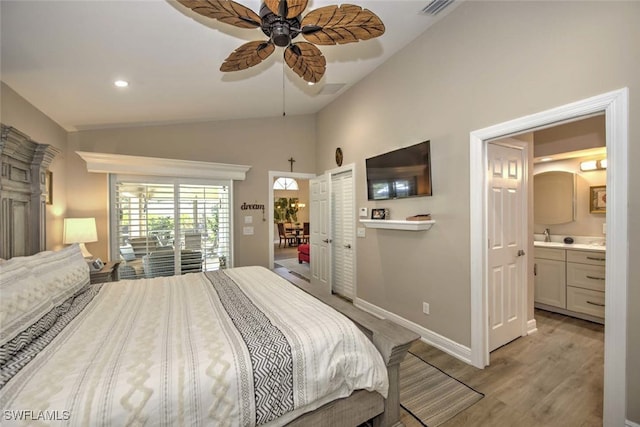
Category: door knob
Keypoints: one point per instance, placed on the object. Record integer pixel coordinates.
(326, 240)
(348, 246)
(520, 252)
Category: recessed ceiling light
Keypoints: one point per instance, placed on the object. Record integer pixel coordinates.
(310, 83)
(121, 83)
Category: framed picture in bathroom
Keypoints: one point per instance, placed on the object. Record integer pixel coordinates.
(598, 199)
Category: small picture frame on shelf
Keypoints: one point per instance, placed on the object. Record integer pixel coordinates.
(378, 213)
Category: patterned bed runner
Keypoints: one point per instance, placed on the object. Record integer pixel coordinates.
(269, 350)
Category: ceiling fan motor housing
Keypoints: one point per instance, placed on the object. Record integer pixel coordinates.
(280, 30)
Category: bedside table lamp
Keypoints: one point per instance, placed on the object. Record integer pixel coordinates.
(80, 230)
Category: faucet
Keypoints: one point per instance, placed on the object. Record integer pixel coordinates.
(547, 236)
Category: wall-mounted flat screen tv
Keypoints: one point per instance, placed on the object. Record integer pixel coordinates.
(405, 172)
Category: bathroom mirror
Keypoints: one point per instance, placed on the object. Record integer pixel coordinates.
(554, 197)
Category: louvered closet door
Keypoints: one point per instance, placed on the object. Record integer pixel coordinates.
(343, 216)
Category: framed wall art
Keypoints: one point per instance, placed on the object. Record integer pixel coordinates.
(48, 183)
(598, 199)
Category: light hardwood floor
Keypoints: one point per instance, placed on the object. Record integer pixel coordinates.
(551, 378)
(284, 252)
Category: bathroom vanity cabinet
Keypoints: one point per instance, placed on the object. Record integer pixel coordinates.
(571, 282)
(550, 277)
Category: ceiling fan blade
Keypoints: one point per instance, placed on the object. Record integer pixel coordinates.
(306, 60)
(341, 24)
(287, 8)
(226, 11)
(248, 55)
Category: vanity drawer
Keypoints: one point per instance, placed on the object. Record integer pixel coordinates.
(585, 301)
(548, 253)
(586, 257)
(586, 276)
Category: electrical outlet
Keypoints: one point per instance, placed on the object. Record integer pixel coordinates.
(425, 307)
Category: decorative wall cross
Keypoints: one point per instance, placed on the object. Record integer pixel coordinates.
(292, 161)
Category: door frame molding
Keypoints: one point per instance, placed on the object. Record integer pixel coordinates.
(272, 176)
(615, 106)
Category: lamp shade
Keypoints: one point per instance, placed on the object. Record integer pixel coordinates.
(80, 230)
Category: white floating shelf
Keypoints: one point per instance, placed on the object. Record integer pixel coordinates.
(394, 224)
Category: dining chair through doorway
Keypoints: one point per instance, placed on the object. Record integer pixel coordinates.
(285, 236)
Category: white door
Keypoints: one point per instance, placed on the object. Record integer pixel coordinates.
(320, 229)
(506, 216)
(342, 218)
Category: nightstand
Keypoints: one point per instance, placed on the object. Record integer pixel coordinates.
(108, 273)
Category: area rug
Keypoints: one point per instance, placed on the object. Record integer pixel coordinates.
(430, 395)
(296, 268)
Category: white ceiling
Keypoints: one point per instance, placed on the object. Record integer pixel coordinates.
(63, 56)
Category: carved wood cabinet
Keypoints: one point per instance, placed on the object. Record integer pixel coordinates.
(23, 169)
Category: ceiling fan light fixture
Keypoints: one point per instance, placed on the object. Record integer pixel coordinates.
(280, 34)
(281, 21)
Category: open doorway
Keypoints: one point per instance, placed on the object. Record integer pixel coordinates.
(615, 107)
(289, 215)
(551, 202)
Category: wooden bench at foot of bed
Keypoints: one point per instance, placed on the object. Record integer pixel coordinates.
(391, 340)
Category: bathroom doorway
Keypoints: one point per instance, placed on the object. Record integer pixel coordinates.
(615, 107)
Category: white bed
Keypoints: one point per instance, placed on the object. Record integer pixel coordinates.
(237, 347)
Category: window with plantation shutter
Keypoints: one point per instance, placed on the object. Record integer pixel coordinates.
(167, 226)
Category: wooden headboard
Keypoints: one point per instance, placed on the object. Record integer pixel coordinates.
(23, 169)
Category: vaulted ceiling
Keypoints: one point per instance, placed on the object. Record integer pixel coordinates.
(64, 56)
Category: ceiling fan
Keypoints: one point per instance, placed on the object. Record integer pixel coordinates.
(282, 21)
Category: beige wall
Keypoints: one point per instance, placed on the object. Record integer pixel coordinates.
(17, 112)
(485, 63)
(254, 142)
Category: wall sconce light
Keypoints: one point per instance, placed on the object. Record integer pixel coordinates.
(593, 165)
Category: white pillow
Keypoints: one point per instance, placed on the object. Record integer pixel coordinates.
(32, 285)
(25, 299)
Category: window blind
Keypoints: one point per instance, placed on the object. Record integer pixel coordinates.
(162, 227)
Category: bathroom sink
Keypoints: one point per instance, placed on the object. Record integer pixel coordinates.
(591, 246)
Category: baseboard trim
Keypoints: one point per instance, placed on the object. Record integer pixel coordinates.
(450, 347)
(631, 424)
(532, 327)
